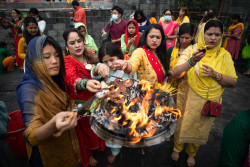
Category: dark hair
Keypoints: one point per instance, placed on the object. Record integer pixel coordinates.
(86, 53)
(36, 12)
(167, 10)
(185, 28)
(118, 9)
(129, 22)
(138, 11)
(27, 35)
(161, 50)
(3, 44)
(133, 7)
(185, 9)
(18, 12)
(108, 48)
(75, 3)
(58, 79)
(236, 17)
(213, 23)
(114, 7)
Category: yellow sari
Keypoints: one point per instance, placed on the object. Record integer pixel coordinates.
(185, 19)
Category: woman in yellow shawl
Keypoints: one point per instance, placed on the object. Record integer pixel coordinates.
(184, 39)
(206, 76)
(183, 16)
(49, 129)
(233, 36)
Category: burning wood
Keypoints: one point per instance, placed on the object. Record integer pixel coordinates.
(135, 110)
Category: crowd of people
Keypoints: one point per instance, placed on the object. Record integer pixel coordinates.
(170, 52)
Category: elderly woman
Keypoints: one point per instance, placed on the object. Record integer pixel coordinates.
(45, 106)
(207, 74)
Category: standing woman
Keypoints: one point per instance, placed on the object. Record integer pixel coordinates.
(150, 59)
(15, 25)
(207, 74)
(235, 31)
(41, 23)
(183, 16)
(80, 87)
(45, 106)
(184, 40)
(130, 39)
(143, 21)
(30, 31)
(170, 28)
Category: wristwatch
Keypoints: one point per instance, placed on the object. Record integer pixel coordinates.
(217, 76)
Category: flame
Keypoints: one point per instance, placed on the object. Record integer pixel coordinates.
(141, 123)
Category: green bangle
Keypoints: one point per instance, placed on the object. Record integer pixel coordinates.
(94, 71)
(83, 83)
(190, 63)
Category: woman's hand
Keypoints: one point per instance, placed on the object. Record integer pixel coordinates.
(197, 56)
(65, 121)
(93, 85)
(208, 71)
(120, 64)
(102, 69)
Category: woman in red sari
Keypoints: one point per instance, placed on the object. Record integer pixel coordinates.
(80, 87)
(15, 26)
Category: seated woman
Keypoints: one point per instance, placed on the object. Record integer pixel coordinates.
(184, 40)
(30, 31)
(142, 20)
(89, 41)
(81, 88)
(45, 106)
(130, 39)
(6, 60)
(170, 28)
(209, 69)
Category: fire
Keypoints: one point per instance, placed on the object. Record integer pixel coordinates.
(144, 113)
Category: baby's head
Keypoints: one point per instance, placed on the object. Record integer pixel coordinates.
(108, 53)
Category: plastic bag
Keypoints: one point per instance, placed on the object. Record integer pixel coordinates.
(246, 52)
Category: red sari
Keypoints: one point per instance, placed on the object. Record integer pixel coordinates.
(88, 140)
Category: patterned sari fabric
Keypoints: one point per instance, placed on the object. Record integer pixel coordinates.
(40, 99)
(169, 30)
(88, 140)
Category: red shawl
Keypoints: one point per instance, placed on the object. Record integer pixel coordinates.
(136, 32)
(155, 64)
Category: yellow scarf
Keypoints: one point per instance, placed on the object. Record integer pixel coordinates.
(179, 20)
(229, 31)
(218, 59)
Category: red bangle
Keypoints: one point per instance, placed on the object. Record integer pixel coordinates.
(221, 78)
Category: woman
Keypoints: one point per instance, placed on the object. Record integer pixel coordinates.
(183, 16)
(45, 106)
(207, 74)
(79, 86)
(150, 59)
(235, 31)
(41, 23)
(130, 39)
(170, 28)
(184, 40)
(30, 31)
(6, 60)
(204, 19)
(143, 21)
(89, 41)
(15, 26)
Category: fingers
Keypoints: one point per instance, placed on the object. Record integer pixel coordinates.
(103, 70)
(65, 120)
(93, 85)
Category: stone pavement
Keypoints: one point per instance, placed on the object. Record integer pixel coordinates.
(234, 100)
